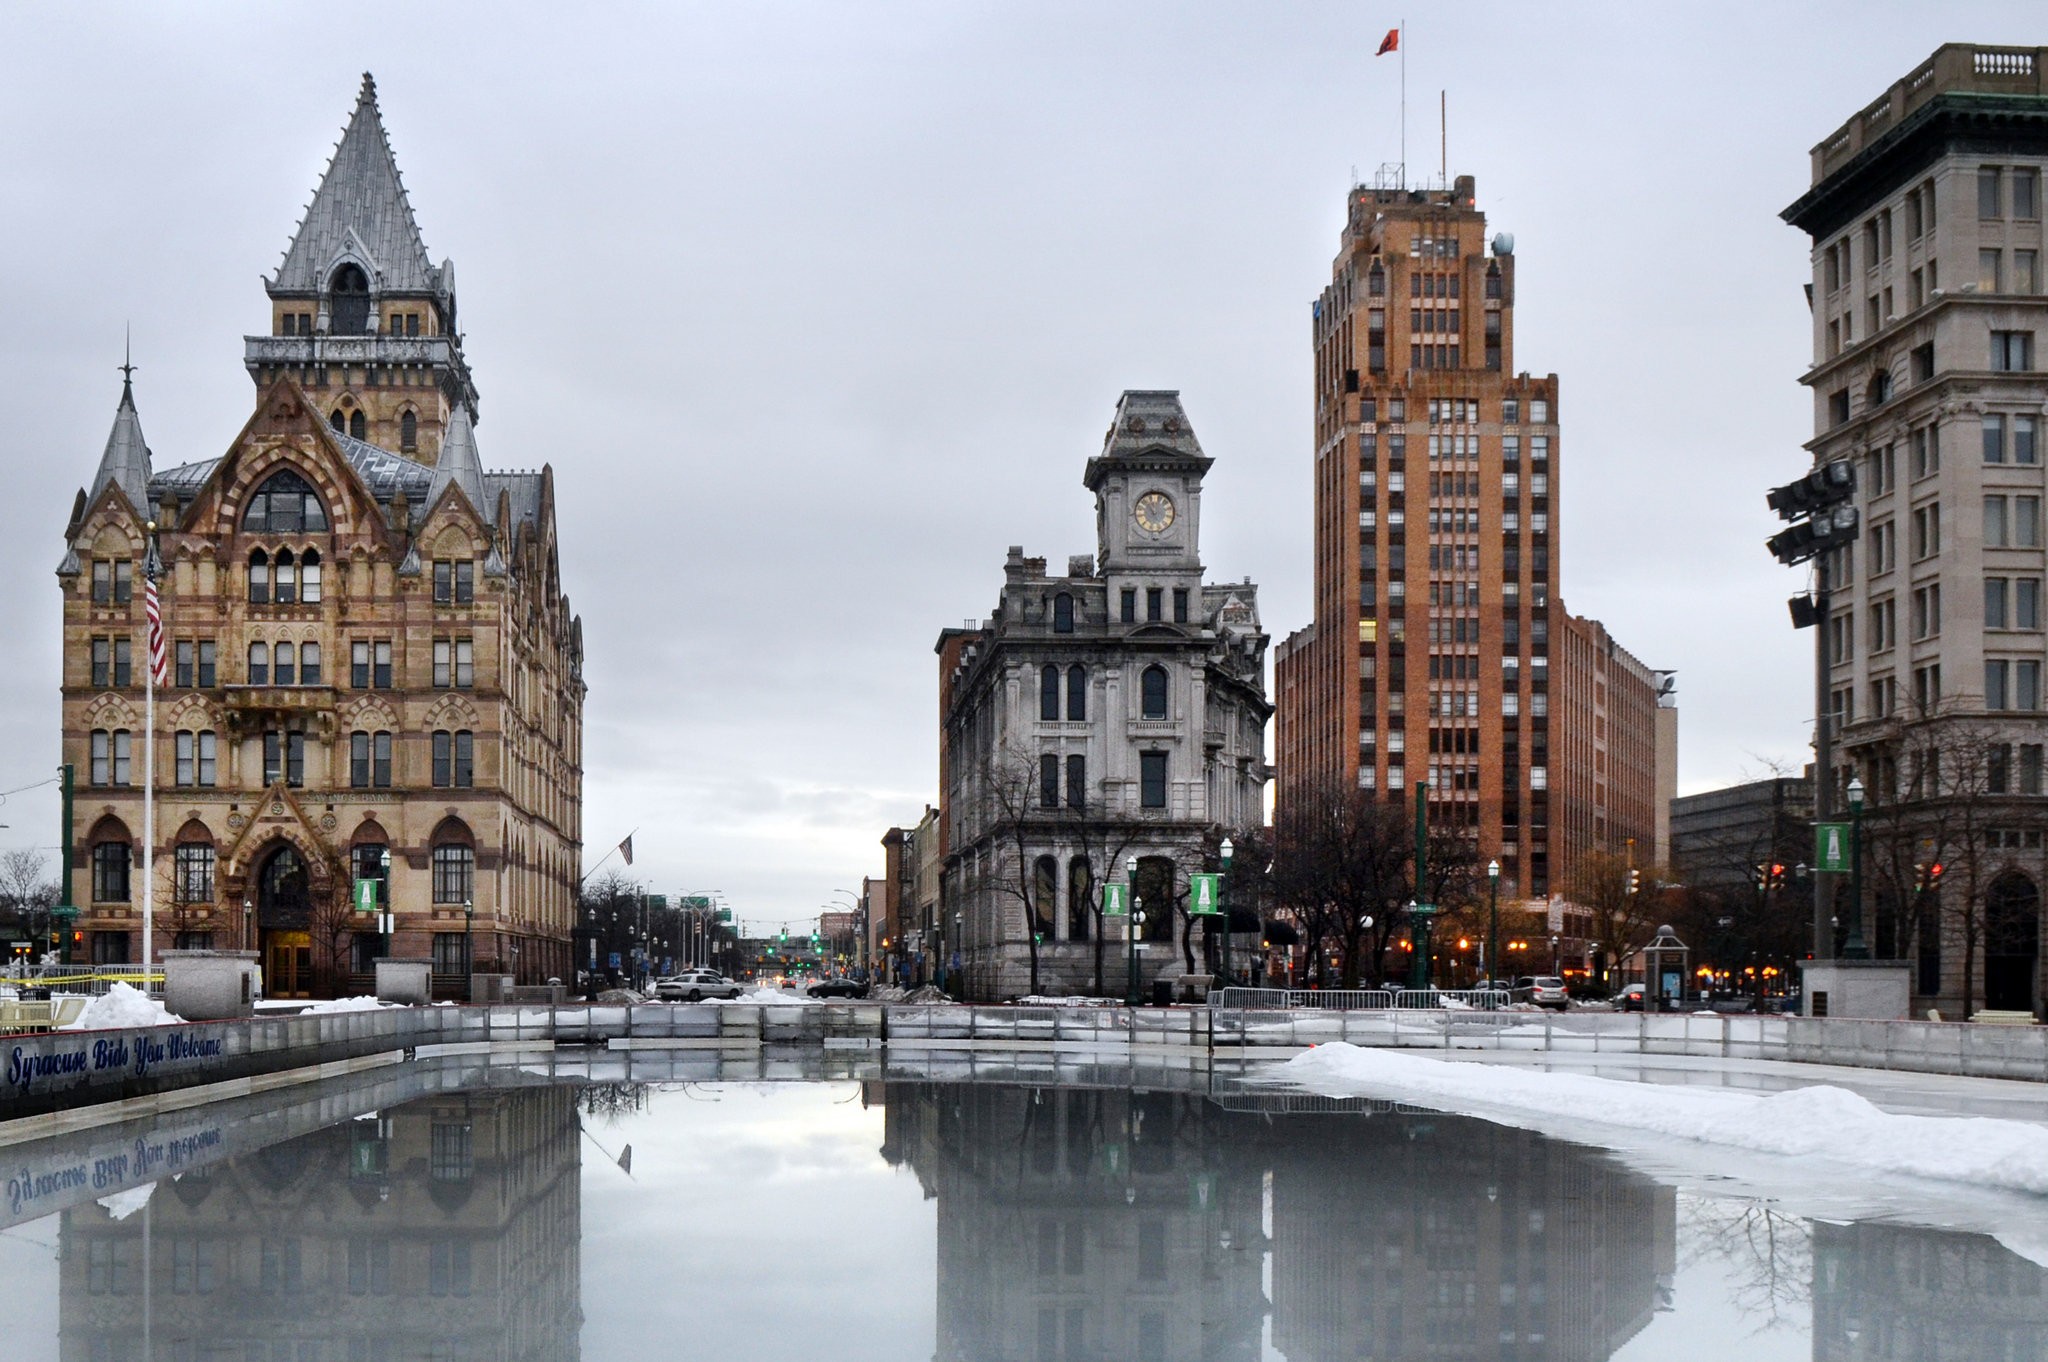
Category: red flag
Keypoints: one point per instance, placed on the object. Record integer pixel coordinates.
(159, 655)
(1390, 43)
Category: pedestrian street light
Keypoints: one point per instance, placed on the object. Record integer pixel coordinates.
(1224, 896)
(1855, 948)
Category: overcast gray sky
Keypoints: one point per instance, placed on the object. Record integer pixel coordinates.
(817, 308)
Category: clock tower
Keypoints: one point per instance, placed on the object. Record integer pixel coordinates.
(1148, 495)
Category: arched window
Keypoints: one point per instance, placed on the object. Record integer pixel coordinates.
(309, 577)
(285, 504)
(454, 871)
(283, 893)
(409, 432)
(1049, 693)
(110, 860)
(259, 664)
(1045, 889)
(259, 577)
(283, 665)
(1077, 692)
(358, 425)
(1153, 693)
(1080, 894)
(309, 664)
(339, 420)
(1063, 614)
(1048, 780)
(284, 578)
(192, 877)
(349, 309)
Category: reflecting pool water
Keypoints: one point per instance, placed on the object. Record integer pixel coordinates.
(473, 1213)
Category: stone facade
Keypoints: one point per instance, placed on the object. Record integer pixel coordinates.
(1928, 299)
(1112, 712)
(370, 653)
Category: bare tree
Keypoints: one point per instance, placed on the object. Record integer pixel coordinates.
(26, 891)
(1614, 892)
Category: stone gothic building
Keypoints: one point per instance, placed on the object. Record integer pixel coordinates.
(1117, 712)
(374, 672)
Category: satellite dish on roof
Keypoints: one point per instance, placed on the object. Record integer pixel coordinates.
(1503, 243)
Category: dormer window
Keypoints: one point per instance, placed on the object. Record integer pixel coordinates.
(1063, 614)
(409, 433)
(285, 504)
(350, 305)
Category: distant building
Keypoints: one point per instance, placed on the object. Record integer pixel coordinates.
(1928, 301)
(910, 948)
(1719, 838)
(1115, 712)
(375, 674)
(1441, 649)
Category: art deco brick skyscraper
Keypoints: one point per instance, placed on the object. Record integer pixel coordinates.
(1437, 617)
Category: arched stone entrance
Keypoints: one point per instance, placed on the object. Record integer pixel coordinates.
(284, 915)
(2012, 943)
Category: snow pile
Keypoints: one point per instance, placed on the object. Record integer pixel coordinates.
(120, 1007)
(1067, 1000)
(360, 1003)
(759, 996)
(1815, 1122)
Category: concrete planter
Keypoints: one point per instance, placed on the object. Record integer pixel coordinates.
(211, 985)
(405, 981)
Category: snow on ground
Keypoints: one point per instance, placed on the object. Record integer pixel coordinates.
(360, 1003)
(1810, 1122)
(122, 1006)
(758, 996)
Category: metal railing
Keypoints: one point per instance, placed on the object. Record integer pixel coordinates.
(94, 979)
(1357, 999)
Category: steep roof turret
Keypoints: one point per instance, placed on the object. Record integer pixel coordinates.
(125, 463)
(360, 211)
(459, 466)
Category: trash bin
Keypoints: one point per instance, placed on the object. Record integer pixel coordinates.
(1162, 993)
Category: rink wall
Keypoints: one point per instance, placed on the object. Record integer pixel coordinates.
(62, 1070)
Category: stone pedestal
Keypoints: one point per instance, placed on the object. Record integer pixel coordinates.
(211, 985)
(405, 981)
(490, 988)
(1862, 990)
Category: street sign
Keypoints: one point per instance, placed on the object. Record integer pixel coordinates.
(1201, 1192)
(657, 902)
(1205, 894)
(1831, 848)
(366, 896)
(1116, 900)
(1422, 909)
(615, 960)
(64, 912)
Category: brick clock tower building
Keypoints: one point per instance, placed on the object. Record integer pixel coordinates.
(374, 672)
(1440, 647)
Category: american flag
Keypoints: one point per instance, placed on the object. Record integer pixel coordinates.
(159, 655)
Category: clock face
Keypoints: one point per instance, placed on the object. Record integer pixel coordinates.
(1154, 512)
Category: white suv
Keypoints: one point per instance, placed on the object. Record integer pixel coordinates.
(694, 986)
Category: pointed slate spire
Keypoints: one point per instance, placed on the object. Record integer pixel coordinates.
(126, 460)
(459, 466)
(360, 209)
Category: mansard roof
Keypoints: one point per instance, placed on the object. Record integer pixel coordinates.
(1150, 430)
(360, 211)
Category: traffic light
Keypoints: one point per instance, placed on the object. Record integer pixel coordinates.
(1635, 881)
(1930, 876)
(1824, 486)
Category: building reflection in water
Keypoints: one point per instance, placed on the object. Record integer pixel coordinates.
(1894, 1291)
(1076, 1225)
(446, 1229)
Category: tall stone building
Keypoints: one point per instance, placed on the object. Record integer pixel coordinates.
(1114, 712)
(1927, 300)
(1440, 645)
(375, 674)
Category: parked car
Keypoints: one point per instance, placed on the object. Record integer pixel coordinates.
(1544, 990)
(838, 988)
(694, 986)
(1630, 999)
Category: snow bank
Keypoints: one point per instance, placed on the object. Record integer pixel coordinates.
(360, 1003)
(1067, 1000)
(120, 1007)
(758, 996)
(1814, 1122)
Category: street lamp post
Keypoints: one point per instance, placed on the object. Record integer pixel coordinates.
(1420, 910)
(1493, 921)
(1224, 903)
(1555, 959)
(1855, 948)
(954, 955)
(1131, 926)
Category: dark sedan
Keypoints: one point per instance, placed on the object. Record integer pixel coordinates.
(838, 988)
